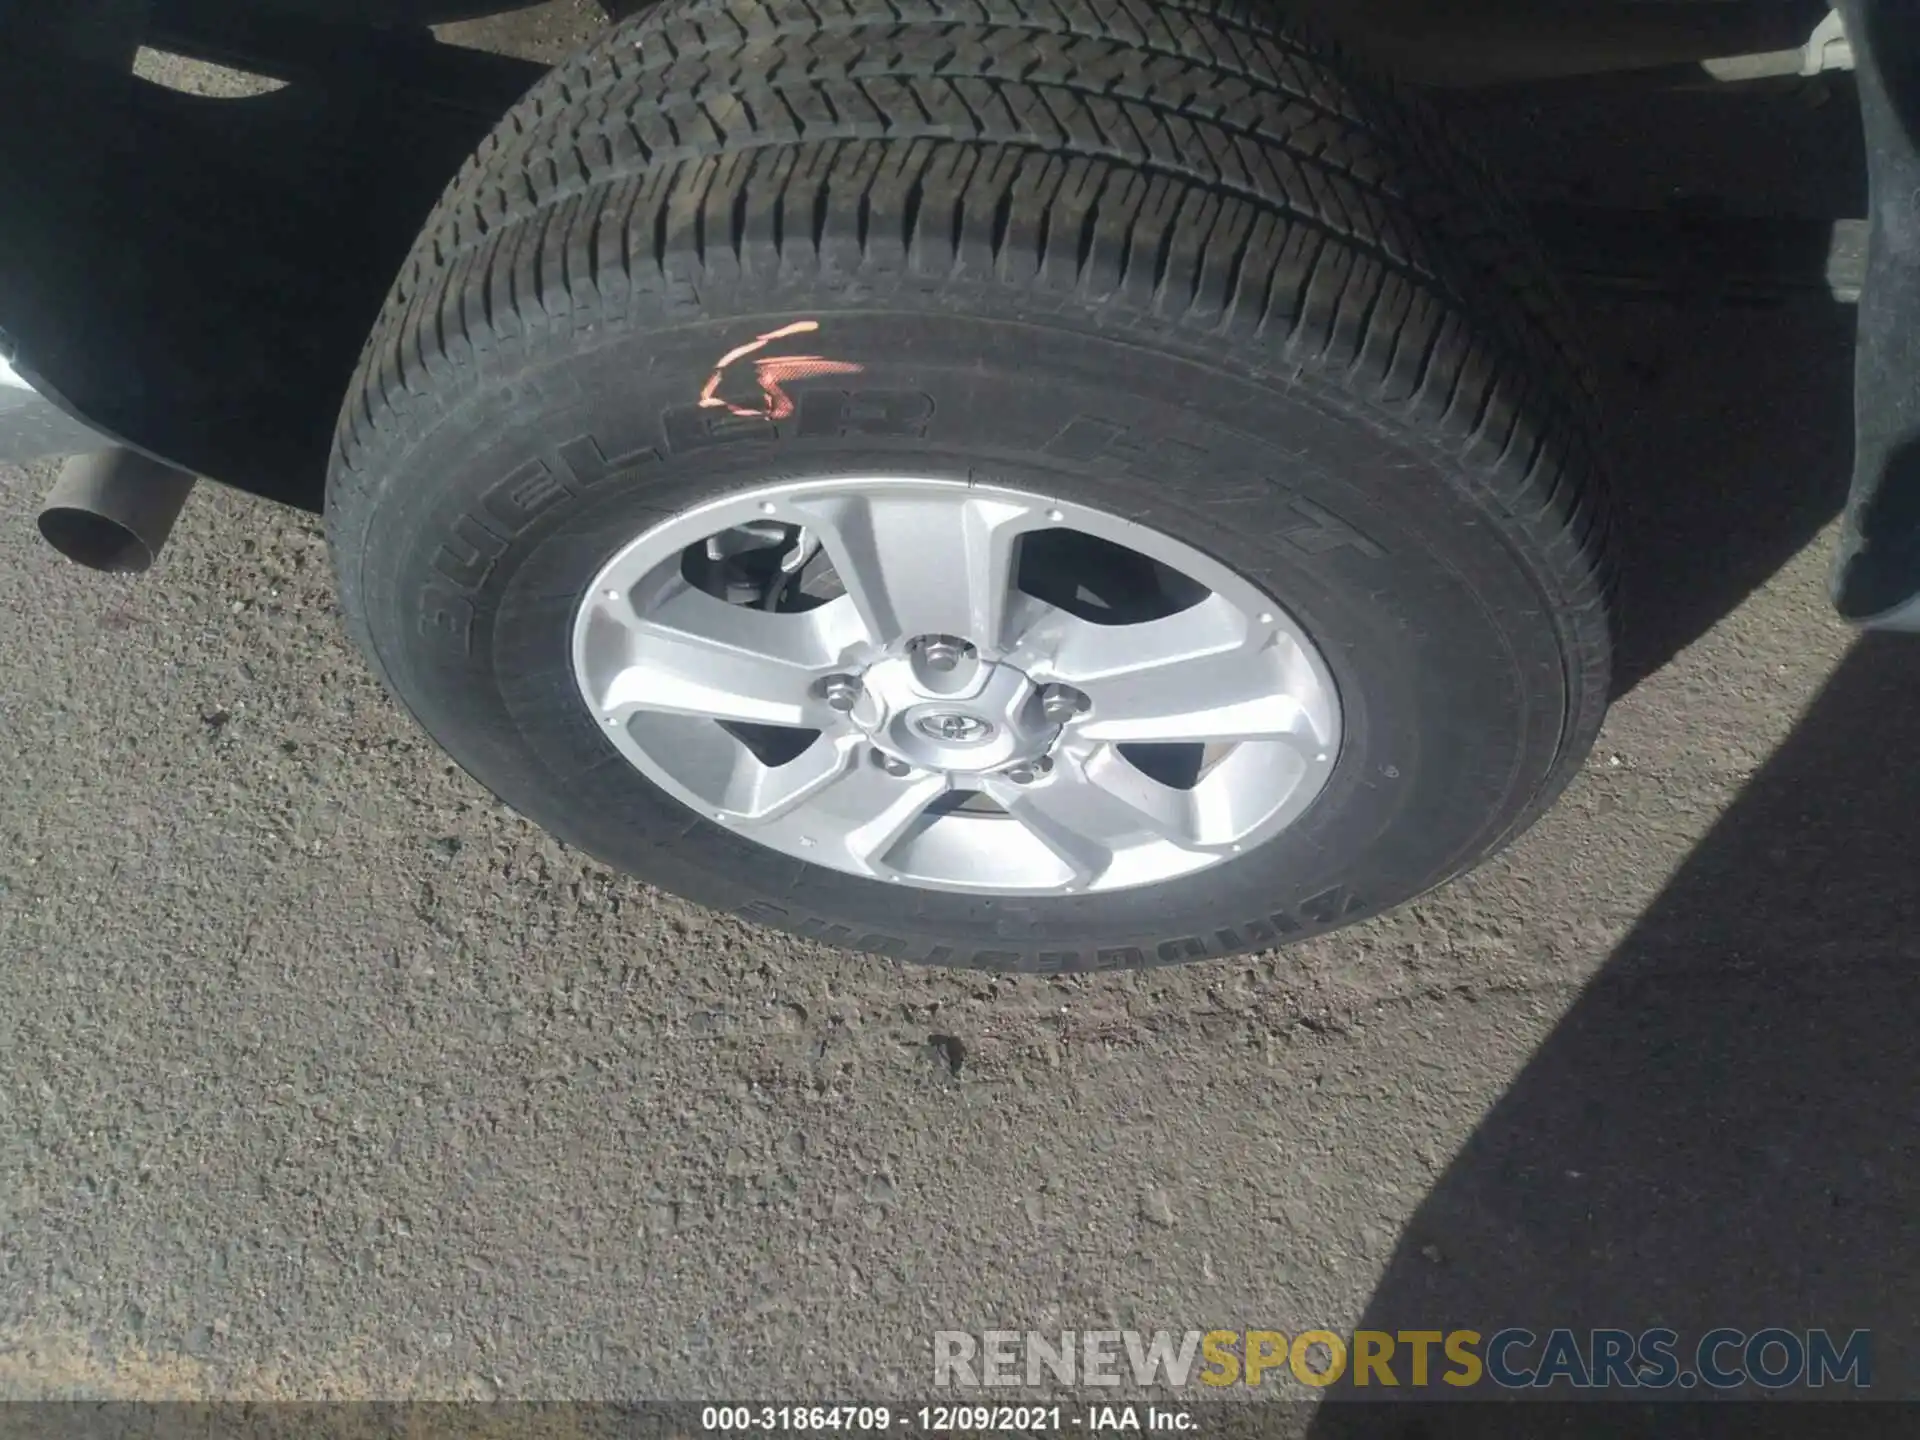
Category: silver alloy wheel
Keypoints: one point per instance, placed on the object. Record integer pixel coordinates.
(948, 729)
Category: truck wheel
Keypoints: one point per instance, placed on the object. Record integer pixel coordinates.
(1035, 484)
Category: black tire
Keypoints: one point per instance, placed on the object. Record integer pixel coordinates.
(1171, 260)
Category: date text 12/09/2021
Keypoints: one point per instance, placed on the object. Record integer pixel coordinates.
(947, 1419)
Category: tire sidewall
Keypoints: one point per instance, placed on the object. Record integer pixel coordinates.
(499, 501)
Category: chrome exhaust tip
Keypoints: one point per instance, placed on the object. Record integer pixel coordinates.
(113, 510)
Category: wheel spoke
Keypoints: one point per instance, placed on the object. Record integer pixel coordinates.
(757, 793)
(695, 655)
(928, 562)
(1208, 675)
(853, 815)
(1093, 808)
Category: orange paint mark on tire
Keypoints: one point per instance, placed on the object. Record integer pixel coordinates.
(772, 372)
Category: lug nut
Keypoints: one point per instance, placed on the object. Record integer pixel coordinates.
(943, 652)
(892, 766)
(1060, 703)
(1031, 771)
(842, 692)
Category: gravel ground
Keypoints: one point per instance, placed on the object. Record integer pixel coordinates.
(330, 1077)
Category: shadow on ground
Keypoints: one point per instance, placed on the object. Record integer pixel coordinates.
(1729, 434)
(1719, 1132)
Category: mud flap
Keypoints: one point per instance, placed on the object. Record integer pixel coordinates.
(1876, 580)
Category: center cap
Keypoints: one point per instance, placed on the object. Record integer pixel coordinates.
(991, 719)
(955, 727)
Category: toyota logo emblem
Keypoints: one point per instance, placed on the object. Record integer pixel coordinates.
(954, 728)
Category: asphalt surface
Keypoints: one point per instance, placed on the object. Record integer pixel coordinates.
(326, 1076)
